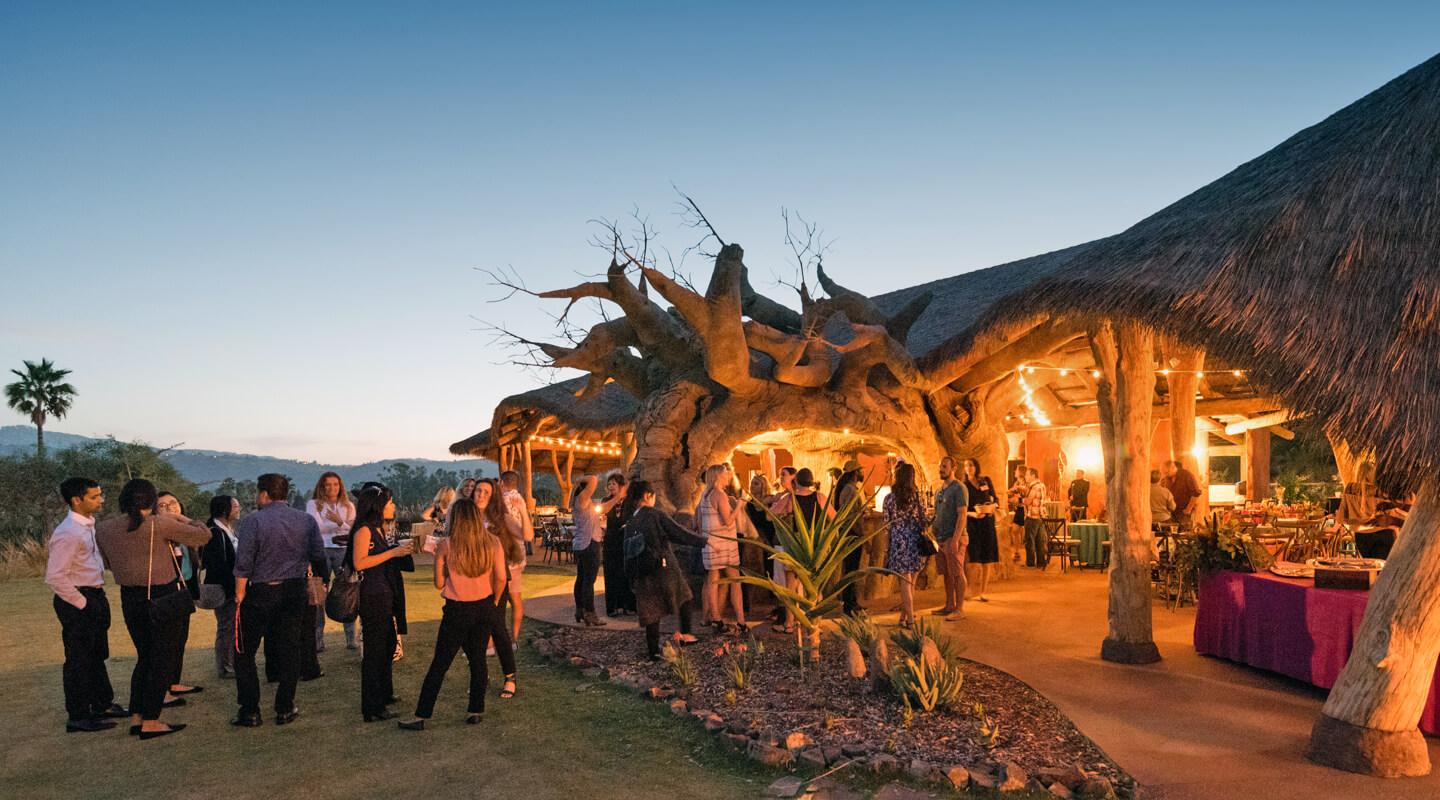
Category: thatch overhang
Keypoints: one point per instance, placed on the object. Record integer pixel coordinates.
(557, 411)
(1316, 266)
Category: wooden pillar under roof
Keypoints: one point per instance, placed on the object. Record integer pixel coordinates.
(529, 476)
(1184, 363)
(1255, 464)
(1124, 354)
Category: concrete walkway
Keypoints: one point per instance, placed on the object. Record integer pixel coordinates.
(1188, 728)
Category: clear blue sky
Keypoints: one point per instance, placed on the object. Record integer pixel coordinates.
(257, 228)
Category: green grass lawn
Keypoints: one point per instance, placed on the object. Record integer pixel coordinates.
(548, 742)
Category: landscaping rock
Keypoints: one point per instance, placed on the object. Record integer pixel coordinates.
(1049, 775)
(813, 756)
(736, 740)
(736, 726)
(985, 779)
(833, 755)
(854, 660)
(770, 755)
(788, 786)
(702, 714)
(1059, 789)
(577, 661)
(924, 770)
(854, 750)
(679, 707)
(828, 789)
(714, 724)
(599, 673)
(582, 687)
(797, 740)
(896, 791)
(544, 647)
(1012, 778)
(884, 764)
(660, 693)
(1097, 787)
(958, 776)
(635, 683)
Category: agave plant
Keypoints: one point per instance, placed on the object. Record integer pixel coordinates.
(814, 554)
(926, 684)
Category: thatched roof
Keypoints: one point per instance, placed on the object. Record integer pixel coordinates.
(1317, 265)
(610, 411)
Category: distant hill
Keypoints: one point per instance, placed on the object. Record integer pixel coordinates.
(212, 466)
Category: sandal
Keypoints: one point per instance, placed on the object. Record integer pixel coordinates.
(506, 694)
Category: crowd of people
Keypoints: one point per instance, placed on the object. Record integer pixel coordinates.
(266, 574)
(638, 542)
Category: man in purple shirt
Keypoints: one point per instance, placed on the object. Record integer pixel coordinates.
(1185, 488)
(274, 548)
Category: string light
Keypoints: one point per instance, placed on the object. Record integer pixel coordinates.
(1029, 400)
(1029, 369)
(1094, 373)
(580, 446)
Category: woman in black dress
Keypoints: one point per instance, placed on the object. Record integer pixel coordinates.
(372, 555)
(655, 573)
(619, 600)
(984, 549)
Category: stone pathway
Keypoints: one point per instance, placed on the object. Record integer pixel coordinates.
(1188, 728)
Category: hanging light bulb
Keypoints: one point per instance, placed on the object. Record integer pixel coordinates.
(1094, 373)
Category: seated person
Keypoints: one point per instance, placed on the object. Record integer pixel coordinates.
(1375, 537)
(1162, 503)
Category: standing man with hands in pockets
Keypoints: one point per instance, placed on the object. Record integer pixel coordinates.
(76, 573)
(275, 546)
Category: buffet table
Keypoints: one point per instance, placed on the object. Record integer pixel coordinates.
(1092, 536)
(1287, 626)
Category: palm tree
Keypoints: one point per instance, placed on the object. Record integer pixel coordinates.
(40, 392)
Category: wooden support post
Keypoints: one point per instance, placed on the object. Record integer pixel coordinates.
(1124, 353)
(569, 474)
(1370, 722)
(529, 476)
(561, 478)
(1255, 466)
(628, 451)
(1184, 362)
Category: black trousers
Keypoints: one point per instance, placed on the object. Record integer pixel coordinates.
(587, 567)
(851, 594)
(157, 649)
(377, 660)
(465, 626)
(271, 613)
(652, 631)
(309, 650)
(85, 632)
(618, 594)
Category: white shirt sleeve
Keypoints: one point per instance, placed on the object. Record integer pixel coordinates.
(64, 548)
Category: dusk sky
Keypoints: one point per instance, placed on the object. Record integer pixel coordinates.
(259, 228)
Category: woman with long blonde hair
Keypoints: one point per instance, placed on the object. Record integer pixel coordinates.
(334, 512)
(496, 523)
(470, 574)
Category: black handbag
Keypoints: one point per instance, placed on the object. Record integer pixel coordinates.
(342, 604)
(928, 545)
(171, 608)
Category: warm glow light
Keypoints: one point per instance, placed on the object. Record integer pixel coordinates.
(1237, 373)
(1089, 456)
(1199, 452)
(1064, 372)
(1030, 370)
(1094, 373)
(1165, 371)
(847, 431)
(1199, 374)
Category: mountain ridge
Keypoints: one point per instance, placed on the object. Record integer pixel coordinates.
(204, 466)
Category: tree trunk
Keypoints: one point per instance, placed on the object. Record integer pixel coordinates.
(1125, 353)
(1370, 721)
(39, 439)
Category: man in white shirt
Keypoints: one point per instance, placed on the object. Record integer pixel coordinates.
(76, 573)
(517, 518)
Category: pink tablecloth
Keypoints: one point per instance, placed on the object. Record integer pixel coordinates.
(1286, 626)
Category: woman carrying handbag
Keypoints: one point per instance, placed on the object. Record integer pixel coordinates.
(137, 549)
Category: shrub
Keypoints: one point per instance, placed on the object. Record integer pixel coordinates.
(740, 662)
(24, 558)
(680, 664)
(926, 684)
(911, 640)
(862, 630)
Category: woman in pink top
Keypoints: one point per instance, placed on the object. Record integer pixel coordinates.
(470, 574)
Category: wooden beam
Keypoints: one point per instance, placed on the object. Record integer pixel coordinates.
(1253, 423)
(1090, 415)
(1218, 429)
(529, 477)
(1035, 343)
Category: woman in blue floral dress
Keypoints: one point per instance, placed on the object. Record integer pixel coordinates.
(905, 520)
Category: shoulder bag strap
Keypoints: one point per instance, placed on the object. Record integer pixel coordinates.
(150, 562)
